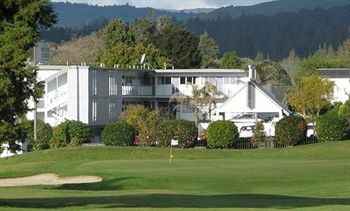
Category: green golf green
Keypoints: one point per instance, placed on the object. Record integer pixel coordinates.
(313, 177)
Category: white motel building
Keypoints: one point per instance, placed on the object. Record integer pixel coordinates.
(97, 96)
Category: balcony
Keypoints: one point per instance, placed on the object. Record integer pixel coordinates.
(137, 91)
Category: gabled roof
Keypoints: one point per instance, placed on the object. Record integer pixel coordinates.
(272, 97)
(269, 95)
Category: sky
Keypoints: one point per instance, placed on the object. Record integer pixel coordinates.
(171, 4)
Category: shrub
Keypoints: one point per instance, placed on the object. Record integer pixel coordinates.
(184, 131)
(291, 130)
(144, 121)
(259, 133)
(70, 133)
(331, 127)
(222, 134)
(44, 134)
(118, 134)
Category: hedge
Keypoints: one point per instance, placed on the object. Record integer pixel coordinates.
(222, 134)
(184, 131)
(70, 133)
(331, 127)
(118, 134)
(291, 130)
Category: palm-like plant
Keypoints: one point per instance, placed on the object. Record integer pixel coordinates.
(204, 97)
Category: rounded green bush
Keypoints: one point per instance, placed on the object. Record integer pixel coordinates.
(331, 127)
(118, 134)
(291, 130)
(44, 134)
(184, 131)
(70, 133)
(222, 134)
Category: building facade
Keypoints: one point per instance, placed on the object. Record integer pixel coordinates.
(341, 79)
(97, 96)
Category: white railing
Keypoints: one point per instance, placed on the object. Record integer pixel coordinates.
(137, 90)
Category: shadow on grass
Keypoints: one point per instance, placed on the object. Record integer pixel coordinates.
(177, 201)
(105, 185)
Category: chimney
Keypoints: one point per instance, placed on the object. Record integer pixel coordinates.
(252, 72)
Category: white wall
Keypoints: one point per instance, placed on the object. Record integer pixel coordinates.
(341, 89)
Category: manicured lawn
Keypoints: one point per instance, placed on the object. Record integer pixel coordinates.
(313, 177)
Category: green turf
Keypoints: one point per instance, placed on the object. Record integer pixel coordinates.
(314, 177)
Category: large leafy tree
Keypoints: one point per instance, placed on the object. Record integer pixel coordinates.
(230, 60)
(20, 21)
(310, 95)
(209, 51)
(177, 44)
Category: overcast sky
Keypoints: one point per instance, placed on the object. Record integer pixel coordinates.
(172, 4)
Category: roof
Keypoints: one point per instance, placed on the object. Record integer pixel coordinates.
(335, 72)
(271, 96)
(202, 71)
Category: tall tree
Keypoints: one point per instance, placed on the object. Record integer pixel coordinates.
(209, 51)
(177, 44)
(20, 22)
(230, 60)
(310, 95)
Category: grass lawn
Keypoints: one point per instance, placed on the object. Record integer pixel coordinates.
(314, 177)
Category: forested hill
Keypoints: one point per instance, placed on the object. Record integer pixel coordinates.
(274, 7)
(78, 15)
(276, 35)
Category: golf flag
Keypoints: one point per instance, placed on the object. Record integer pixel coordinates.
(174, 142)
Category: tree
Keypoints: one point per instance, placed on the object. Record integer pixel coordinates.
(20, 22)
(209, 51)
(144, 121)
(259, 133)
(272, 73)
(177, 44)
(202, 100)
(230, 60)
(310, 95)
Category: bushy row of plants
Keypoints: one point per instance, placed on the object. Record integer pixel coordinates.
(142, 126)
(68, 133)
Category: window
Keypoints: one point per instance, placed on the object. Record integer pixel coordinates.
(41, 103)
(127, 81)
(183, 80)
(62, 80)
(113, 86)
(164, 80)
(52, 85)
(188, 80)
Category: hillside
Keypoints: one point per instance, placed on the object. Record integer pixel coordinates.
(276, 35)
(273, 8)
(314, 177)
(78, 15)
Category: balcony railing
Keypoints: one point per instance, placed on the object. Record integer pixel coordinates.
(137, 91)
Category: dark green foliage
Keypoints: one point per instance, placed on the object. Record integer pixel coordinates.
(118, 134)
(230, 60)
(222, 134)
(70, 133)
(305, 31)
(291, 130)
(272, 73)
(184, 131)
(178, 45)
(259, 133)
(19, 25)
(44, 135)
(209, 51)
(331, 126)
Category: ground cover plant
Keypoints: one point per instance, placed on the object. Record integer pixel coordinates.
(313, 177)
